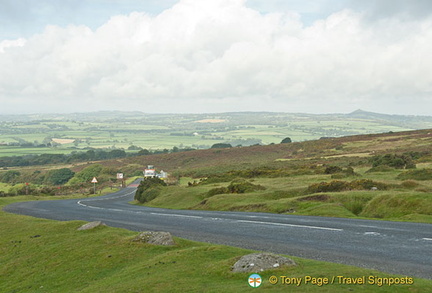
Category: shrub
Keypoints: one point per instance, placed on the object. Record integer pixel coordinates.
(218, 190)
(339, 173)
(58, 177)
(236, 186)
(338, 176)
(404, 161)
(243, 186)
(421, 174)
(221, 146)
(409, 184)
(87, 174)
(366, 184)
(149, 189)
(9, 176)
(333, 170)
(148, 194)
(337, 186)
(286, 140)
(331, 186)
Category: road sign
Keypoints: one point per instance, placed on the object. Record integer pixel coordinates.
(94, 180)
(119, 175)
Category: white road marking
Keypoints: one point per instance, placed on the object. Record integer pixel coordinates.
(176, 215)
(80, 202)
(428, 239)
(290, 225)
(372, 233)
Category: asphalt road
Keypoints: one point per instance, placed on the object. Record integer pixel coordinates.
(394, 247)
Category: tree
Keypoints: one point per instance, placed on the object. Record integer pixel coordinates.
(59, 176)
(144, 152)
(9, 176)
(149, 189)
(86, 174)
(221, 146)
(286, 140)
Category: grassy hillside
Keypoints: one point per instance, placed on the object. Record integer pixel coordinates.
(291, 172)
(343, 151)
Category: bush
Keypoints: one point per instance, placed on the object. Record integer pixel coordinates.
(331, 186)
(421, 174)
(339, 173)
(404, 161)
(286, 140)
(149, 189)
(148, 194)
(221, 146)
(9, 176)
(243, 186)
(337, 186)
(215, 191)
(410, 184)
(236, 186)
(87, 174)
(58, 177)
(333, 170)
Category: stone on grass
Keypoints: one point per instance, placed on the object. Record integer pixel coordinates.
(91, 225)
(156, 238)
(258, 262)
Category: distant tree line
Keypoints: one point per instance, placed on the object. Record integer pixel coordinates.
(43, 159)
(90, 155)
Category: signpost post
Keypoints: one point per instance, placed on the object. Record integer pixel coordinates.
(94, 181)
(120, 177)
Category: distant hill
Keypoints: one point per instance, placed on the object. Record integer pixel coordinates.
(386, 117)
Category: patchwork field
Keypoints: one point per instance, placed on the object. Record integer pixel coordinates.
(66, 133)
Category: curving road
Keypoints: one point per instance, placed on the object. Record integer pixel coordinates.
(394, 247)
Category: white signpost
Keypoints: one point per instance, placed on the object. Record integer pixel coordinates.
(121, 177)
(94, 181)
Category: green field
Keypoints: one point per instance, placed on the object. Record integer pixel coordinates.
(65, 133)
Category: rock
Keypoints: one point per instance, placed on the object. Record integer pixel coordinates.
(91, 225)
(156, 238)
(258, 262)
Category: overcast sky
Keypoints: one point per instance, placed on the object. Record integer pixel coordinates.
(196, 56)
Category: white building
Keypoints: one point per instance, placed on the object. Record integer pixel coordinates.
(150, 172)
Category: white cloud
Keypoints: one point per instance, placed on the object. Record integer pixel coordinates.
(220, 55)
(11, 43)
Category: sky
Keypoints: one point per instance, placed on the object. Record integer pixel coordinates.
(196, 56)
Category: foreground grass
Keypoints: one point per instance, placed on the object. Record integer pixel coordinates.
(39, 255)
